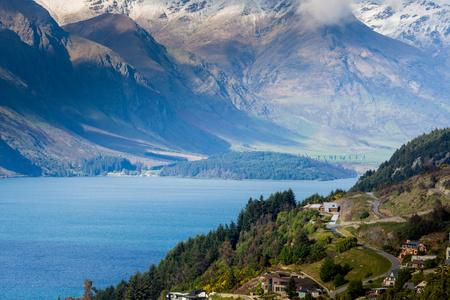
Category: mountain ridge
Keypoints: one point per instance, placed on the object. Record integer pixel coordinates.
(76, 84)
(250, 76)
(423, 24)
(305, 76)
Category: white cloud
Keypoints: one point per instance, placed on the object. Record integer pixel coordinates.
(325, 12)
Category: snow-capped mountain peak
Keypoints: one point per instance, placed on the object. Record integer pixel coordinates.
(423, 24)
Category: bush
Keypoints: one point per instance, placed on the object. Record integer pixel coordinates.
(368, 274)
(404, 275)
(429, 264)
(364, 215)
(338, 280)
(345, 244)
(355, 288)
(407, 258)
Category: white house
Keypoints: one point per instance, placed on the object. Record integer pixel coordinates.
(330, 207)
(390, 279)
(194, 295)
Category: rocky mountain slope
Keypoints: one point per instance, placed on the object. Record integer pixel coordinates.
(423, 24)
(317, 70)
(58, 93)
(201, 93)
(67, 97)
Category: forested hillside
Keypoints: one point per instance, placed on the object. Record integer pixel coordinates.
(267, 232)
(428, 151)
(258, 165)
(96, 166)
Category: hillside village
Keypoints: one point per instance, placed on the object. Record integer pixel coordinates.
(412, 258)
(346, 245)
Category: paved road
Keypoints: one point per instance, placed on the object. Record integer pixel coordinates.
(375, 205)
(245, 297)
(395, 263)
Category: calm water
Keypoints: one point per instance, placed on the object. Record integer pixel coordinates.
(55, 232)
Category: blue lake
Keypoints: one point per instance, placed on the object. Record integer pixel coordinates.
(56, 232)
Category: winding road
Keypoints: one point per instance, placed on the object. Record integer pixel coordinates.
(375, 205)
(234, 296)
(395, 263)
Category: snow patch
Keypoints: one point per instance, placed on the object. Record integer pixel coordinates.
(422, 24)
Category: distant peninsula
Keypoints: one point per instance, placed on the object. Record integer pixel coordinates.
(258, 165)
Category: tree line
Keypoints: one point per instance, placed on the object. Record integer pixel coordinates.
(426, 152)
(258, 165)
(100, 165)
(267, 232)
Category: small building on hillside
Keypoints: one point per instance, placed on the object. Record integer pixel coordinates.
(302, 292)
(375, 293)
(313, 206)
(330, 207)
(193, 295)
(390, 279)
(413, 248)
(276, 282)
(419, 288)
(408, 285)
(423, 257)
(416, 264)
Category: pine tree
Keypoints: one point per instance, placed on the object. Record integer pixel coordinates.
(327, 269)
(135, 290)
(355, 288)
(338, 280)
(290, 288)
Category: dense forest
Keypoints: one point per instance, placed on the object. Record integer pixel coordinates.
(258, 165)
(428, 151)
(99, 165)
(267, 232)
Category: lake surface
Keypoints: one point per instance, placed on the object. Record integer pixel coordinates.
(56, 232)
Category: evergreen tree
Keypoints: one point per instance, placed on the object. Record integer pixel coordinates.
(291, 288)
(308, 296)
(153, 283)
(404, 275)
(355, 288)
(135, 289)
(338, 280)
(285, 256)
(327, 270)
(439, 287)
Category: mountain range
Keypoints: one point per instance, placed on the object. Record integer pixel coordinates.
(422, 24)
(136, 76)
